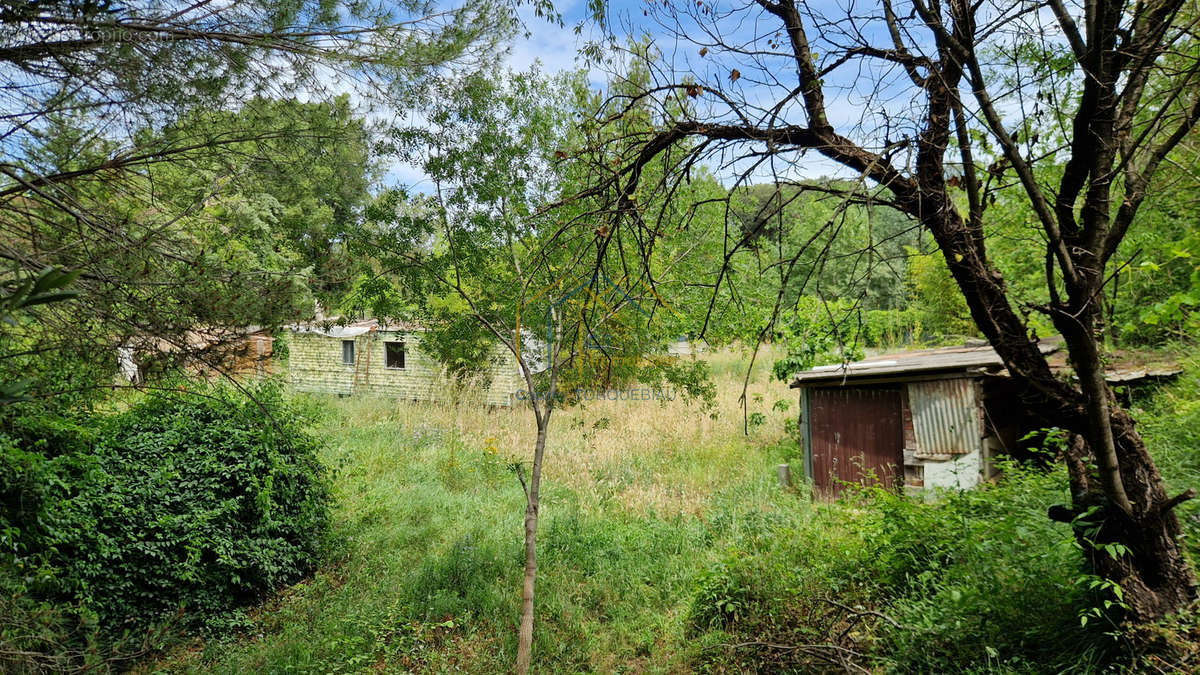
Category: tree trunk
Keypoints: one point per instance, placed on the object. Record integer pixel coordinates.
(1109, 465)
(1155, 577)
(525, 640)
(1126, 490)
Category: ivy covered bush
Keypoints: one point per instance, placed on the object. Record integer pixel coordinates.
(176, 510)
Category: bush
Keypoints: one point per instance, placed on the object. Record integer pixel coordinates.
(722, 595)
(187, 506)
(983, 580)
(978, 581)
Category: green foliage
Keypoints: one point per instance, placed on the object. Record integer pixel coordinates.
(461, 349)
(976, 581)
(212, 239)
(693, 378)
(818, 333)
(484, 260)
(983, 579)
(769, 244)
(291, 221)
(1172, 289)
(49, 285)
(722, 594)
(935, 297)
(1154, 292)
(196, 502)
(1170, 417)
(190, 187)
(892, 328)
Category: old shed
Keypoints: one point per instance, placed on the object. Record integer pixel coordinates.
(370, 357)
(932, 418)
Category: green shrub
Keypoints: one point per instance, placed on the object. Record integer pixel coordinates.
(722, 595)
(180, 508)
(977, 581)
(983, 580)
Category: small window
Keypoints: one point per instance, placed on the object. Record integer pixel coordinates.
(347, 352)
(393, 353)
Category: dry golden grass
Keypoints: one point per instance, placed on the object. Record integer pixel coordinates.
(664, 456)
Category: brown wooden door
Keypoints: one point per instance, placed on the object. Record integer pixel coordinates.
(856, 432)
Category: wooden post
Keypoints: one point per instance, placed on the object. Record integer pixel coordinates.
(785, 476)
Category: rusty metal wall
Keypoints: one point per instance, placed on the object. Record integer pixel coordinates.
(945, 417)
(855, 432)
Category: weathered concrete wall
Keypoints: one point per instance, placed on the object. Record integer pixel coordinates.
(315, 365)
(960, 473)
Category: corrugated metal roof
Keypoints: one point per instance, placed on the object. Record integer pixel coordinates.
(1125, 366)
(946, 359)
(945, 417)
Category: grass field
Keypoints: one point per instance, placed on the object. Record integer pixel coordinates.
(664, 540)
(638, 496)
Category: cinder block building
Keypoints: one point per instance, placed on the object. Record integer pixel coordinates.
(369, 357)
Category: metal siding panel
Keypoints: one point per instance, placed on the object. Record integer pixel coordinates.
(945, 421)
(855, 432)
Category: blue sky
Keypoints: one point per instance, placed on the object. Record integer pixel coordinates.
(859, 99)
(554, 47)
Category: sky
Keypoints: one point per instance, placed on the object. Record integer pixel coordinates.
(870, 101)
(556, 47)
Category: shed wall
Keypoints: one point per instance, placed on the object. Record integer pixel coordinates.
(943, 434)
(956, 461)
(856, 436)
(946, 418)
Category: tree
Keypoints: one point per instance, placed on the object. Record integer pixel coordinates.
(131, 131)
(313, 158)
(1155, 288)
(947, 102)
(486, 260)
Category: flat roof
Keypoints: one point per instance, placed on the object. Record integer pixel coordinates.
(338, 328)
(922, 361)
(1125, 366)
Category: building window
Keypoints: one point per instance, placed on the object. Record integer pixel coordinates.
(393, 353)
(347, 352)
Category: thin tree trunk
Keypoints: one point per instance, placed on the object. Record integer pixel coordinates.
(1080, 335)
(525, 641)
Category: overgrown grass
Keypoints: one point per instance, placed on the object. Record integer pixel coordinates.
(638, 498)
(1170, 423)
(666, 546)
